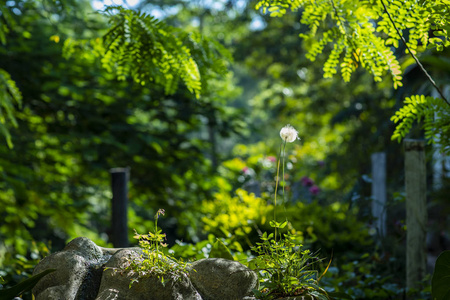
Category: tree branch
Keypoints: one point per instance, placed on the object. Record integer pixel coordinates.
(414, 56)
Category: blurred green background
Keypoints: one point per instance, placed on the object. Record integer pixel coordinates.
(210, 161)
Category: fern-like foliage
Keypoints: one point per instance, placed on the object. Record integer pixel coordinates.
(432, 112)
(211, 57)
(9, 95)
(362, 33)
(146, 49)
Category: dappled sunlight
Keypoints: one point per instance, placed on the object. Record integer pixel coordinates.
(299, 147)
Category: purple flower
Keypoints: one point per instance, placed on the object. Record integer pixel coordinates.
(306, 181)
(314, 190)
(245, 170)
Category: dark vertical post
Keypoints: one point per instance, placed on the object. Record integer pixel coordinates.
(119, 218)
(212, 138)
(379, 191)
(416, 211)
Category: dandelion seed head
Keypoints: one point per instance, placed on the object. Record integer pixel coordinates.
(289, 134)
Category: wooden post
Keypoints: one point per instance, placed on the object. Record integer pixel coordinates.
(379, 191)
(119, 219)
(416, 211)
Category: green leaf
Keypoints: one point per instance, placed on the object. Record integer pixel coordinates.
(24, 286)
(283, 224)
(219, 250)
(253, 264)
(319, 296)
(440, 287)
(324, 272)
(278, 224)
(293, 280)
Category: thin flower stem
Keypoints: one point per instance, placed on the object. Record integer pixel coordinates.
(284, 163)
(156, 230)
(284, 182)
(276, 190)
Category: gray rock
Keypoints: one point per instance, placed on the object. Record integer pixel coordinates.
(115, 284)
(72, 265)
(86, 248)
(218, 278)
(81, 275)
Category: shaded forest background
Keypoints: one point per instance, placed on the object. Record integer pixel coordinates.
(208, 159)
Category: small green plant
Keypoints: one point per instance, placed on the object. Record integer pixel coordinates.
(285, 269)
(154, 261)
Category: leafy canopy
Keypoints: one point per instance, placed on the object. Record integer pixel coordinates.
(365, 33)
(136, 45)
(353, 29)
(146, 49)
(78, 121)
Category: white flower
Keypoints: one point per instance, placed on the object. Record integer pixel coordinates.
(289, 134)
